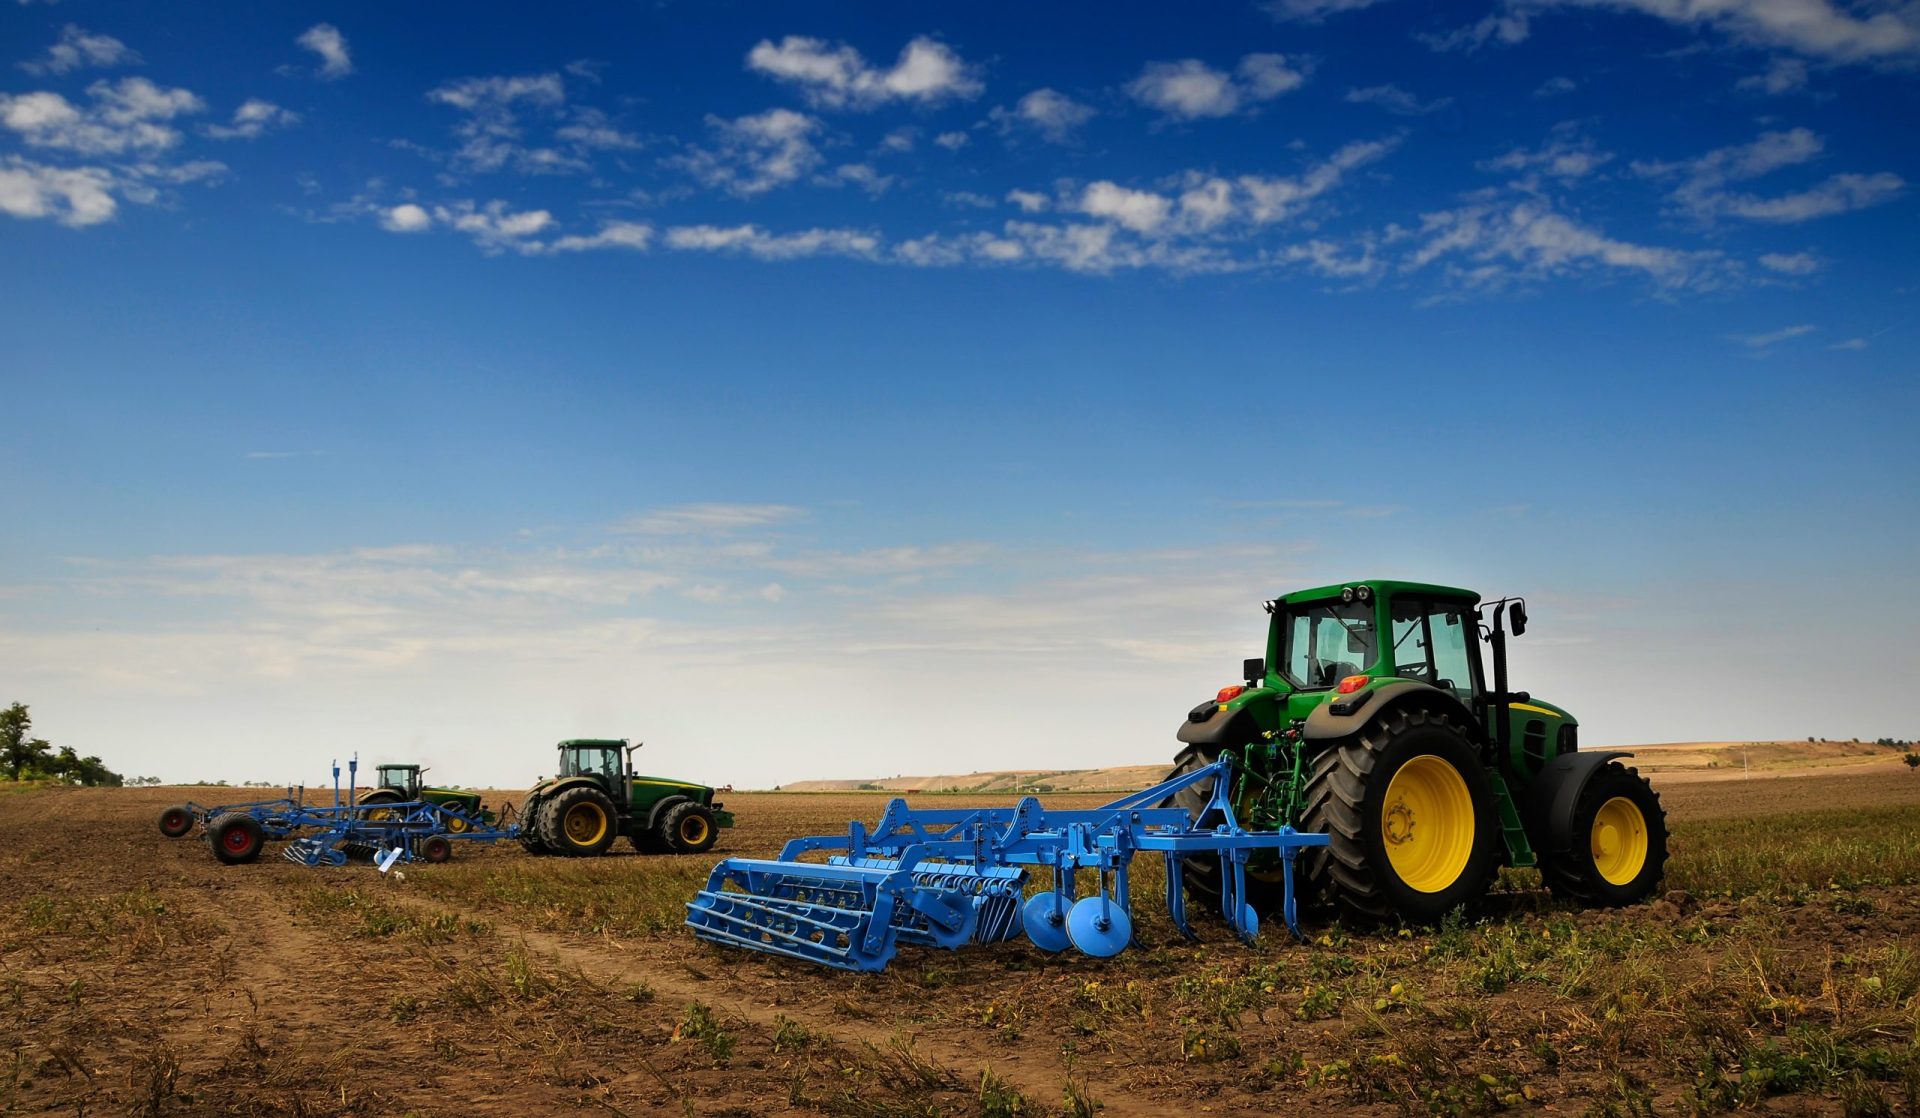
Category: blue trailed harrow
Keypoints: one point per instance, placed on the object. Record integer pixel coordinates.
(944, 878)
(334, 834)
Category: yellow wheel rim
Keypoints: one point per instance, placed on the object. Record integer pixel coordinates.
(693, 830)
(382, 815)
(585, 824)
(1427, 824)
(1619, 841)
(456, 824)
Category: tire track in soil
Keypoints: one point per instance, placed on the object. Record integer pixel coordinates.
(1040, 1079)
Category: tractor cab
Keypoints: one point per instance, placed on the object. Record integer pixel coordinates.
(404, 779)
(603, 761)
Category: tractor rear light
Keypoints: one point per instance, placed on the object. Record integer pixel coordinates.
(1351, 684)
(1228, 694)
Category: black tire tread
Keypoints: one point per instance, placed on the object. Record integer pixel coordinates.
(1575, 879)
(553, 835)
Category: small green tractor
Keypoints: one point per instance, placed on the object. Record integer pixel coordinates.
(598, 797)
(1372, 719)
(399, 784)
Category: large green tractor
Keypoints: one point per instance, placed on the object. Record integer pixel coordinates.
(597, 797)
(1371, 718)
(396, 784)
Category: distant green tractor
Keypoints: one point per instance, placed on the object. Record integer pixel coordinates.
(397, 784)
(1371, 719)
(597, 797)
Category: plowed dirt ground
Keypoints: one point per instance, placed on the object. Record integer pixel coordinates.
(137, 975)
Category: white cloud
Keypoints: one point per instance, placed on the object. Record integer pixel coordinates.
(253, 119)
(1494, 245)
(1503, 27)
(1819, 28)
(1396, 100)
(1190, 89)
(1049, 112)
(1029, 201)
(491, 132)
(73, 197)
(1554, 87)
(127, 116)
(952, 141)
(1772, 337)
(1566, 156)
(1791, 264)
(1850, 344)
(406, 218)
(1312, 11)
(709, 518)
(495, 227)
(325, 40)
(751, 240)
(838, 77)
(862, 175)
(593, 130)
(754, 154)
(1783, 75)
(79, 48)
(1138, 210)
(635, 236)
(1703, 193)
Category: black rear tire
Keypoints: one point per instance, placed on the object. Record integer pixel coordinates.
(578, 823)
(176, 821)
(648, 842)
(1578, 875)
(1346, 797)
(236, 839)
(435, 849)
(689, 828)
(1201, 872)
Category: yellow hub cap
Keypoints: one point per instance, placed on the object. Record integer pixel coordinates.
(456, 824)
(585, 824)
(693, 830)
(1427, 824)
(1619, 841)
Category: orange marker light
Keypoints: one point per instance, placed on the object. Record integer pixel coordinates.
(1228, 694)
(1351, 684)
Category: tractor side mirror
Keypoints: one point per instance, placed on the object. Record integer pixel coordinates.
(1254, 671)
(1517, 617)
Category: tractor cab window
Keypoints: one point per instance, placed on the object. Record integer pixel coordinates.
(1431, 644)
(395, 776)
(602, 763)
(1327, 641)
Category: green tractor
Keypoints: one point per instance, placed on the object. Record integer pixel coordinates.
(399, 784)
(1371, 718)
(597, 797)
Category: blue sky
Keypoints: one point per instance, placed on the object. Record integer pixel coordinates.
(865, 389)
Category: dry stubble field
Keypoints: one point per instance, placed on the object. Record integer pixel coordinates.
(138, 976)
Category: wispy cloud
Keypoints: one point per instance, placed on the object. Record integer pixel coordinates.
(78, 48)
(326, 41)
(838, 77)
(1703, 183)
(1772, 338)
(713, 518)
(1192, 90)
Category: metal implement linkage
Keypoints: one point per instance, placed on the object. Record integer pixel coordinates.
(945, 877)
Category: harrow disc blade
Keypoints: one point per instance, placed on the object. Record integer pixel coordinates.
(1046, 923)
(1099, 927)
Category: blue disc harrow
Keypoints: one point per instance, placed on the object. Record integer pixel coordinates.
(946, 877)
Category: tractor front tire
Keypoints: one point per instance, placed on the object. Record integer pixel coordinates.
(1619, 842)
(176, 821)
(236, 838)
(689, 828)
(1266, 890)
(530, 842)
(1410, 811)
(647, 841)
(578, 823)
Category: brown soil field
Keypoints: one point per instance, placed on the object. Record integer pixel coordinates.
(1780, 974)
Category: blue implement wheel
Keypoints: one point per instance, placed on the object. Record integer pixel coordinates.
(1046, 925)
(1098, 927)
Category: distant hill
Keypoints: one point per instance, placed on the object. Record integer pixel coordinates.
(1707, 758)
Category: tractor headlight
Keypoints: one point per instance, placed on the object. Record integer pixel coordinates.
(1347, 594)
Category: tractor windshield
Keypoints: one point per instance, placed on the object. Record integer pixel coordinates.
(1324, 642)
(603, 763)
(1431, 644)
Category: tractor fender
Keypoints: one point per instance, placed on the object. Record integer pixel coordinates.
(1550, 799)
(1235, 727)
(664, 805)
(548, 789)
(1342, 715)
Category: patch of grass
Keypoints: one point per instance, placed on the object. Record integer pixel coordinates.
(1797, 854)
(699, 1024)
(370, 917)
(618, 896)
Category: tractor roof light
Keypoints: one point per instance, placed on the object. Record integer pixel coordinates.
(1346, 594)
(1228, 694)
(1364, 593)
(1351, 684)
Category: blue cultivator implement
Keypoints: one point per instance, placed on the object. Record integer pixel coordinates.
(947, 877)
(405, 832)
